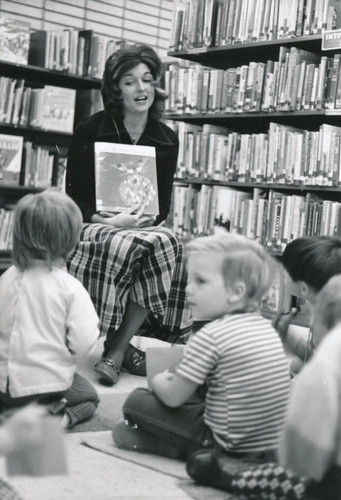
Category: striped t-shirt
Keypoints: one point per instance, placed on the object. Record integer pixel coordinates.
(241, 358)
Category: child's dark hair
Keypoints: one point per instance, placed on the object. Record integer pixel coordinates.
(46, 226)
(122, 61)
(313, 259)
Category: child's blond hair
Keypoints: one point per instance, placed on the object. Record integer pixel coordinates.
(46, 226)
(242, 259)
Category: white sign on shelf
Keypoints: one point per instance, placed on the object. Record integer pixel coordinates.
(331, 39)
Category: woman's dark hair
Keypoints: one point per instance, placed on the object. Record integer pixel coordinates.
(122, 61)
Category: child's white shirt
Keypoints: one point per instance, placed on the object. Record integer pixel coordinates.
(47, 320)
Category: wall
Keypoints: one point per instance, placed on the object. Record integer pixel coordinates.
(137, 21)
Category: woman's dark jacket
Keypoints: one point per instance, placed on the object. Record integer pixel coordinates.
(80, 173)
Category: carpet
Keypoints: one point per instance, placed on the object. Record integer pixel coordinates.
(109, 411)
(102, 441)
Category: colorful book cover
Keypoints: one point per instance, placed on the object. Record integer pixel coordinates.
(10, 158)
(14, 40)
(126, 178)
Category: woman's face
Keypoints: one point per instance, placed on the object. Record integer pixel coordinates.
(137, 89)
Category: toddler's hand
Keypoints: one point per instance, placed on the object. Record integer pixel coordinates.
(282, 321)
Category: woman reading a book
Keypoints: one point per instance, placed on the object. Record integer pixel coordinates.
(131, 266)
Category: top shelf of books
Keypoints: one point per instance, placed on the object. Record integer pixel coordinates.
(66, 57)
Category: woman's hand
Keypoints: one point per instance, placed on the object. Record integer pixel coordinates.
(128, 219)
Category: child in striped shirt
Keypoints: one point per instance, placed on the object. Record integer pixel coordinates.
(238, 355)
(309, 458)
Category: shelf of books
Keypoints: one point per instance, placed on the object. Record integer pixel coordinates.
(255, 98)
(49, 80)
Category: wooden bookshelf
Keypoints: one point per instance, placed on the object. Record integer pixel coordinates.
(228, 55)
(245, 122)
(39, 75)
(56, 142)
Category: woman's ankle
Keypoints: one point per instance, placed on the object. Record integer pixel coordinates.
(115, 355)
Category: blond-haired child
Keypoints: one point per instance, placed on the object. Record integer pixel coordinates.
(47, 319)
(309, 463)
(238, 354)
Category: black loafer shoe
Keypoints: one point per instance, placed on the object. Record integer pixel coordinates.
(134, 361)
(108, 370)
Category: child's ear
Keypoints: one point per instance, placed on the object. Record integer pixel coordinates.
(238, 292)
(304, 290)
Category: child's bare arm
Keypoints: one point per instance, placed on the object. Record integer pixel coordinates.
(171, 389)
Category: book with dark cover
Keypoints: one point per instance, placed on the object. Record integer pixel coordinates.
(38, 45)
(125, 178)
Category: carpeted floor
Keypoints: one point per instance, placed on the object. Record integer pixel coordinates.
(108, 413)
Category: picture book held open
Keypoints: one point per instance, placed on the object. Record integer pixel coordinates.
(125, 178)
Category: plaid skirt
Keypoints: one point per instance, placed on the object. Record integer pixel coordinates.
(143, 265)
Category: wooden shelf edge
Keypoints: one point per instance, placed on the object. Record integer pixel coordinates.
(261, 185)
(301, 40)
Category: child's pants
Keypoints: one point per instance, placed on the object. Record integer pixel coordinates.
(79, 402)
(182, 428)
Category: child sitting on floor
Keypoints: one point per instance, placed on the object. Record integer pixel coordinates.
(47, 318)
(310, 448)
(238, 354)
(310, 262)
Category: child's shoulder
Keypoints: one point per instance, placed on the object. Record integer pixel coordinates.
(235, 325)
(231, 320)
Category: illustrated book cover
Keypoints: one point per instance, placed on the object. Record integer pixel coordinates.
(125, 178)
(58, 109)
(14, 40)
(278, 299)
(11, 147)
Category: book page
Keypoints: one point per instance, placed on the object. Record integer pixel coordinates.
(125, 177)
(159, 359)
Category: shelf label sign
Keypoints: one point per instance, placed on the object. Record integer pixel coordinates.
(331, 39)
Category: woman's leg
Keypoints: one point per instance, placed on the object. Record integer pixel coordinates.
(155, 428)
(117, 344)
(123, 269)
(119, 352)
